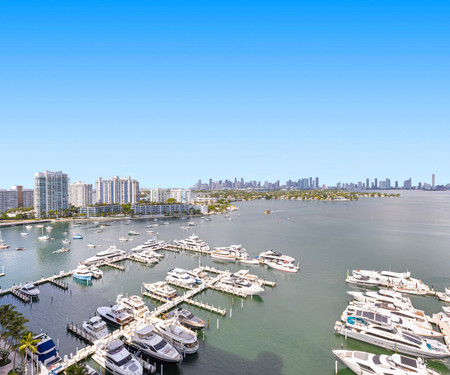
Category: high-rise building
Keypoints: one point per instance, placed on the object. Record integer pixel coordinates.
(433, 181)
(407, 184)
(180, 195)
(376, 183)
(15, 197)
(51, 192)
(80, 194)
(367, 183)
(158, 195)
(388, 183)
(117, 190)
(317, 182)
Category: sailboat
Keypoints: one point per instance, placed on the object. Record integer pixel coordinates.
(24, 233)
(43, 237)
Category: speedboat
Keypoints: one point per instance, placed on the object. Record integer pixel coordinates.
(105, 255)
(30, 290)
(96, 327)
(91, 245)
(278, 261)
(133, 233)
(145, 339)
(186, 318)
(21, 248)
(116, 315)
(193, 243)
(191, 224)
(24, 234)
(62, 250)
(28, 227)
(97, 273)
(180, 276)
(363, 363)
(391, 338)
(134, 304)
(77, 237)
(182, 338)
(117, 360)
(66, 241)
(46, 352)
(160, 290)
(238, 284)
(82, 272)
(48, 227)
(99, 231)
(124, 239)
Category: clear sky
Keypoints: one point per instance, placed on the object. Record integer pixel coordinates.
(172, 91)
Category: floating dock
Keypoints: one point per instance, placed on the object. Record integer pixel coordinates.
(113, 265)
(59, 283)
(205, 306)
(18, 294)
(78, 332)
(171, 248)
(444, 326)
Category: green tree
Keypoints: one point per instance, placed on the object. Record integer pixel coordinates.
(77, 369)
(28, 344)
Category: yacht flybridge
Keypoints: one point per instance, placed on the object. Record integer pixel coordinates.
(363, 363)
(105, 255)
(180, 276)
(148, 341)
(278, 261)
(193, 243)
(239, 284)
(116, 315)
(160, 290)
(96, 327)
(391, 338)
(30, 290)
(134, 305)
(182, 338)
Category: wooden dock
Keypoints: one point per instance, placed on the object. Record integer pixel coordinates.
(444, 326)
(158, 298)
(78, 332)
(180, 285)
(59, 283)
(18, 294)
(229, 290)
(171, 248)
(113, 265)
(207, 307)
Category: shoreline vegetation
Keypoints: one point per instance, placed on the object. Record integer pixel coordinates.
(310, 195)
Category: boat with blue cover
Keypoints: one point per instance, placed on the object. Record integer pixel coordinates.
(47, 353)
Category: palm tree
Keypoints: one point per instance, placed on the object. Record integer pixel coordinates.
(77, 369)
(7, 312)
(28, 343)
(17, 329)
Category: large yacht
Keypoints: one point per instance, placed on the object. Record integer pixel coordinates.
(117, 360)
(233, 252)
(386, 319)
(134, 304)
(105, 255)
(278, 261)
(363, 363)
(237, 283)
(96, 327)
(151, 244)
(393, 339)
(161, 290)
(145, 339)
(224, 253)
(193, 243)
(46, 352)
(186, 318)
(444, 296)
(383, 295)
(116, 315)
(30, 290)
(180, 276)
(82, 272)
(145, 257)
(182, 338)
(401, 280)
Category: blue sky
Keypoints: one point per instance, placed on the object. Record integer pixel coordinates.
(170, 92)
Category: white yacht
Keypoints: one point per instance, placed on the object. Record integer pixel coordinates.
(223, 253)
(134, 304)
(383, 295)
(116, 315)
(151, 244)
(393, 339)
(362, 280)
(43, 237)
(180, 276)
(91, 245)
(278, 261)
(161, 290)
(145, 339)
(444, 296)
(105, 255)
(245, 274)
(402, 280)
(30, 290)
(66, 241)
(96, 327)
(182, 338)
(193, 243)
(82, 272)
(236, 283)
(186, 318)
(145, 257)
(117, 360)
(97, 273)
(363, 363)
(386, 319)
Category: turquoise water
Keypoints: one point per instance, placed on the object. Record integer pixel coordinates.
(289, 330)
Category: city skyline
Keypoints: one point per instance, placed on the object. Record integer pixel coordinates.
(209, 90)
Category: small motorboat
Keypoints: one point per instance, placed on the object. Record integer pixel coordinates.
(30, 290)
(20, 248)
(186, 318)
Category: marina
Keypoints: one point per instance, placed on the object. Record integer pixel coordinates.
(321, 273)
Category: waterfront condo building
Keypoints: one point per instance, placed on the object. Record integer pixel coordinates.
(117, 190)
(51, 192)
(15, 197)
(80, 194)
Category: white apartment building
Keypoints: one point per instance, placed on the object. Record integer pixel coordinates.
(117, 190)
(80, 194)
(51, 192)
